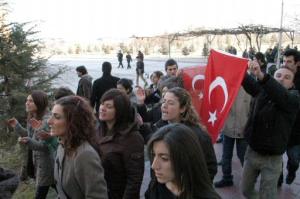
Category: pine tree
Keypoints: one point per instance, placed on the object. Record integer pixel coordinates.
(22, 68)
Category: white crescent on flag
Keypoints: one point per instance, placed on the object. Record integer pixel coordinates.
(219, 81)
(195, 79)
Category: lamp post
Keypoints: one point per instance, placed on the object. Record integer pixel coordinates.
(280, 37)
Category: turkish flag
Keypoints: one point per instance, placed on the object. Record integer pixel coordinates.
(223, 77)
(193, 81)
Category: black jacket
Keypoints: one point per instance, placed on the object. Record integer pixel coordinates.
(159, 191)
(295, 135)
(122, 156)
(140, 67)
(207, 147)
(272, 115)
(100, 86)
(152, 115)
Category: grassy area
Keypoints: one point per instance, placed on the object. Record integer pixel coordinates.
(10, 159)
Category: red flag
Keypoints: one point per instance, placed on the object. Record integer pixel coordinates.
(193, 82)
(223, 76)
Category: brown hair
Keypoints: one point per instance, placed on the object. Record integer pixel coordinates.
(189, 117)
(80, 122)
(40, 99)
(124, 111)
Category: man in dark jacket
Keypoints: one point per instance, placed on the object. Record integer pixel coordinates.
(291, 58)
(120, 59)
(103, 84)
(140, 69)
(268, 128)
(129, 59)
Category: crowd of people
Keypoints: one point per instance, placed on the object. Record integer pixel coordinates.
(91, 144)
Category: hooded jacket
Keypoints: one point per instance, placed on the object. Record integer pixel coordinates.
(122, 155)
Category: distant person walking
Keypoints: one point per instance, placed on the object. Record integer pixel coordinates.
(85, 83)
(103, 84)
(129, 59)
(120, 59)
(140, 69)
(140, 55)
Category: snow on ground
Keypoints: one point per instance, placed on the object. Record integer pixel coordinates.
(94, 65)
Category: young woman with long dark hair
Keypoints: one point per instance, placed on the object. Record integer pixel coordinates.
(35, 151)
(121, 146)
(179, 166)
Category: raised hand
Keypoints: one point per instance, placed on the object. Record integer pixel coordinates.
(254, 68)
(23, 140)
(12, 122)
(35, 124)
(179, 72)
(43, 135)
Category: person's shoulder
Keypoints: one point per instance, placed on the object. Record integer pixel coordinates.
(116, 78)
(134, 133)
(294, 91)
(86, 149)
(160, 123)
(98, 79)
(295, 94)
(200, 132)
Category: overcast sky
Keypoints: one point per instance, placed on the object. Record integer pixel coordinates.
(91, 19)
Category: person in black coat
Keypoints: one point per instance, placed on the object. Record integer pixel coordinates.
(129, 59)
(268, 128)
(103, 84)
(120, 59)
(140, 69)
(291, 59)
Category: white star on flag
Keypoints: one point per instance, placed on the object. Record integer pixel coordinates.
(212, 117)
(200, 95)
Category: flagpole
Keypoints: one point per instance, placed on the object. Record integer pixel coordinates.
(280, 37)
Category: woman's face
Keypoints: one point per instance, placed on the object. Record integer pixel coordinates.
(107, 111)
(154, 79)
(57, 121)
(30, 105)
(161, 164)
(170, 108)
(122, 88)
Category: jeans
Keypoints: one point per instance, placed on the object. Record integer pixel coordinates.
(228, 145)
(268, 166)
(293, 154)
